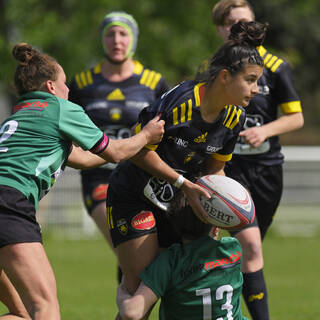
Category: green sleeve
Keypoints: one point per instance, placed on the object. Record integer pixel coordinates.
(76, 126)
(157, 276)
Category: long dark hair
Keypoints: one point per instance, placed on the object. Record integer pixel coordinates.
(239, 50)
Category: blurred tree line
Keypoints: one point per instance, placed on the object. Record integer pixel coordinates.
(175, 36)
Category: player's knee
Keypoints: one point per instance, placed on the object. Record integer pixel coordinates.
(45, 305)
(252, 251)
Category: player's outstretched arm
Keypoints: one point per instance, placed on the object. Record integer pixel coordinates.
(124, 149)
(135, 307)
(80, 159)
(118, 150)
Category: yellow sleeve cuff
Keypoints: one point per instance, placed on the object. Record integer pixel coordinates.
(291, 107)
(222, 157)
(151, 147)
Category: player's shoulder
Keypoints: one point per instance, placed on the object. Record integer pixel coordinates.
(147, 77)
(230, 243)
(272, 62)
(185, 90)
(86, 77)
(184, 96)
(234, 117)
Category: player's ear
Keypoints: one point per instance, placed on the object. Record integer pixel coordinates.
(224, 76)
(50, 86)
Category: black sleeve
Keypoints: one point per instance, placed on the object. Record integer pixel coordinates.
(162, 87)
(285, 89)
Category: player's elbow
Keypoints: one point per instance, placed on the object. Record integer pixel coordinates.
(131, 313)
(111, 155)
(300, 120)
(129, 316)
(116, 151)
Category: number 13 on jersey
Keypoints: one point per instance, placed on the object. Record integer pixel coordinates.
(225, 290)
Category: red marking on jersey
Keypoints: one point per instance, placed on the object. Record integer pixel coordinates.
(100, 192)
(220, 262)
(143, 221)
(202, 89)
(32, 105)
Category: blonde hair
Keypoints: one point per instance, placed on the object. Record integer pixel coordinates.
(222, 9)
(34, 68)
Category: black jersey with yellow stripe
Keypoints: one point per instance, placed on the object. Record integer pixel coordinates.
(114, 106)
(276, 89)
(188, 141)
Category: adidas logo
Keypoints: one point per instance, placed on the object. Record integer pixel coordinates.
(115, 95)
(202, 138)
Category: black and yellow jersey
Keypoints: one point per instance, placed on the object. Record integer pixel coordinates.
(114, 106)
(276, 89)
(188, 141)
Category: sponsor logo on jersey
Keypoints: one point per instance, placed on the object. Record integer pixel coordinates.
(264, 90)
(191, 270)
(115, 114)
(180, 142)
(100, 192)
(189, 157)
(122, 226)
(212, 149)
(202, 138)
(143, 221)
(116, 94)
(35, 105)
(256, 297)
(224, 262)
(136, 104)
(96, 105)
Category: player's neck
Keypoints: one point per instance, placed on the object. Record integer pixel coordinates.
(117, 72)
(211, 104)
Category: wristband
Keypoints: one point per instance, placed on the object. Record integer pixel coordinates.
(179, 182)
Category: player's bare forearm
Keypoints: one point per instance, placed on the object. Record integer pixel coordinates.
(284, 124)
(80, 159)
(123, 149)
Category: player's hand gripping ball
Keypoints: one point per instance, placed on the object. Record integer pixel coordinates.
(230, 206)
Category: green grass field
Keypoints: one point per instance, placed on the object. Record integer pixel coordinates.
(86, 272)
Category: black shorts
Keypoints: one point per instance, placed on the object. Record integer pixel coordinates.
(265, 184)
(94, 188)
(129, 218)
(17, 218)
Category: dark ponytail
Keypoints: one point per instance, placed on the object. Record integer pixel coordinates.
(248, 33)
(239, 50)
(34, 68)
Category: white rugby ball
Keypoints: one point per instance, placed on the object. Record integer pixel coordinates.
(230, 206)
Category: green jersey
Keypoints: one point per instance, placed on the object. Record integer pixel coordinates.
(198, 281)
(36, 140)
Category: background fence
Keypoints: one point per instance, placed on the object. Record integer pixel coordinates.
(62, 211)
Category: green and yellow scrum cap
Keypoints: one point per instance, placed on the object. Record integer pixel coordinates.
(125, 20)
